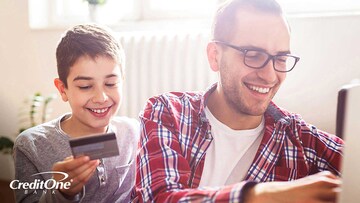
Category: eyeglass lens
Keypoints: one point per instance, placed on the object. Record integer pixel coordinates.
(257, 59)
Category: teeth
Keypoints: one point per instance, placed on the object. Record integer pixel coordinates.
(259, 89)
(99, 110)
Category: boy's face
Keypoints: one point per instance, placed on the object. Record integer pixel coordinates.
(94, 93)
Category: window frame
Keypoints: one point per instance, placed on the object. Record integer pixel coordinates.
(48, 14)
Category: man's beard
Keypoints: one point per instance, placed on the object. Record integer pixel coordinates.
(235, 98)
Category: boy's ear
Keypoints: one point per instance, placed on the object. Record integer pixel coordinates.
(213, 56)
(61, 88)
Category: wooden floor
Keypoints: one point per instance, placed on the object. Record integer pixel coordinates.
(6, 194)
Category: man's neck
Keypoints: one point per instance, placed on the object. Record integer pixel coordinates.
(229, 116)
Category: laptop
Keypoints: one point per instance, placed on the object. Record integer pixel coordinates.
(348, 127)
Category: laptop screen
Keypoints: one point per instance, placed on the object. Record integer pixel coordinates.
(348, 127)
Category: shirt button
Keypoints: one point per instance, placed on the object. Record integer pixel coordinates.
(207, 135)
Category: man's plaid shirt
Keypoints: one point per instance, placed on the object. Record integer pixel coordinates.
(175, 135)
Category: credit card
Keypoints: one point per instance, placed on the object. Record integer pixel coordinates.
(95, 146)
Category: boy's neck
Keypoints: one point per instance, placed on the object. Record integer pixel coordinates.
(76, 129)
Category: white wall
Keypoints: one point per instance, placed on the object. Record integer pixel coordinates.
(329, 48)
(27, 63)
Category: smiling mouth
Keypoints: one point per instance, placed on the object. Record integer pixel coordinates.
(99, 111)
(261, 90)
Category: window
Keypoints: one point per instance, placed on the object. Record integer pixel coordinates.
(320, 6)
(48, 13)
(160, 9)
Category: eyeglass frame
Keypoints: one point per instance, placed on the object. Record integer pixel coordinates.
(270, 57)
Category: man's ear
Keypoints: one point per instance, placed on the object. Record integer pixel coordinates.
(61, 88)
(213, 55)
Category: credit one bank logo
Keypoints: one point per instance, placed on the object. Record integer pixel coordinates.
(39, 184)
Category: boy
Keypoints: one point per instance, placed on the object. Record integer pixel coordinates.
(90, 65)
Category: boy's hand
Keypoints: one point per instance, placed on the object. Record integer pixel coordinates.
(79, 170)
(321, 187)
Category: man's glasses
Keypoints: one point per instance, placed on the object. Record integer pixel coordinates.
(258, 59)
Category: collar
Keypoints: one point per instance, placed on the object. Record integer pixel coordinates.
(204, 99)
(277, 114)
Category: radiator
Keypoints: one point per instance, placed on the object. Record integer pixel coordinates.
(158, 62)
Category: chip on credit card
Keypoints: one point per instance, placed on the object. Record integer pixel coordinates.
(95, 146)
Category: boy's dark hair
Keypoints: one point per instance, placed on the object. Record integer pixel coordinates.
(225, 17)
(87, 40)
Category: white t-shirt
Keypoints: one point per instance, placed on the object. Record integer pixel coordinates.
(225, 151)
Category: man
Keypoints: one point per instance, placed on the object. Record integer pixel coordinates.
(232, 143)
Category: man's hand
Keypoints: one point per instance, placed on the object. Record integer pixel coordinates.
(320, 187)
(79, 170)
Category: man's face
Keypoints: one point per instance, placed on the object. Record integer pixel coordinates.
(94, 93)
(246, 90)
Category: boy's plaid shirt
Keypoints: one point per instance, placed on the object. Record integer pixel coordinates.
(175, 135)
